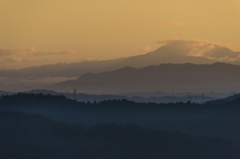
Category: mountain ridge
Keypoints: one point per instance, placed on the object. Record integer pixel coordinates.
(164, 77)
(175, 52)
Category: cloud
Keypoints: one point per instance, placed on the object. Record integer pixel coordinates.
(20, 57)
(174, 23)
(147, 48)
(18, 50)
(191, 43)
(201, 48)
(22, 53)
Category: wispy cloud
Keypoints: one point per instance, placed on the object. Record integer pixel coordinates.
(27, 56)
(200, 42)
(174, 23)
(24, 53)
(202, 48)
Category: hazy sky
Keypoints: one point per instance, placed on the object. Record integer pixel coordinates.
(109, 29)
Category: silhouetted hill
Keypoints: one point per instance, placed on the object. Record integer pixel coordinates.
(212, 119)
(57, 101)
(164, 77)
(157, 97)
(5, 93)
(36, 137)
(231, 100)
(178, 94)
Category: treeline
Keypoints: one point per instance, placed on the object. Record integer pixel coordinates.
(60, 101)
(36, 137)
(152, 97)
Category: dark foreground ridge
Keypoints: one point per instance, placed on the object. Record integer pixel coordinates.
(36, 137)
(219, 118)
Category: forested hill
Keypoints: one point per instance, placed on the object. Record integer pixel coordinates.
(59, 101)
(35, 137)
(215, 118)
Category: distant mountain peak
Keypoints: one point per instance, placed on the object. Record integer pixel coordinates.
(175, 52)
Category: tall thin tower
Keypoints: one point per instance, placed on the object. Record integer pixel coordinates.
(75, 94)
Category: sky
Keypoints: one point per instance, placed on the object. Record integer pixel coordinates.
(37, 32)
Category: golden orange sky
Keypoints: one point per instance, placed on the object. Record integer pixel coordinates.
(109, 29)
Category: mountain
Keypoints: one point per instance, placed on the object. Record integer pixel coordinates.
(175, 52)
(170, 53)
(76, 69)
(164, 54)
(164, 77)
